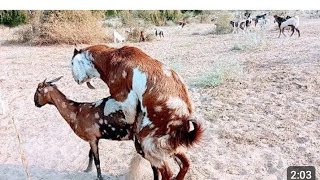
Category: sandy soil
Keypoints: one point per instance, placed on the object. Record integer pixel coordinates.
(257, 123)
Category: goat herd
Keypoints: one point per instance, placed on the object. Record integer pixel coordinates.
(149, 104)
(283, 22)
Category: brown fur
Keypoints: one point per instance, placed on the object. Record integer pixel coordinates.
(82, 119)
(112, 62)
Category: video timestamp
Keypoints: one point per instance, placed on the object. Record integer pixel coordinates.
(301, 173)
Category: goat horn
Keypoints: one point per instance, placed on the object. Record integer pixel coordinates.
(44, 80)
(90, 86)
(55, 80)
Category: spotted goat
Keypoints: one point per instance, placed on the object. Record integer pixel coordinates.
(103, 119)
(168, 125)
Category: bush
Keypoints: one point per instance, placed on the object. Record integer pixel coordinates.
(13, 18)
(249, 41)
(223, 70)
(64, 27)
(157, 17)
(223, 23)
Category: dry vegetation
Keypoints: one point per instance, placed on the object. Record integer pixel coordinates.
(257, 95)
(63, 27)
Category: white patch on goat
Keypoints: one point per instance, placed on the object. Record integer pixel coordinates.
(97, 126)
(158, 109)
(97, 103)
(177, 104)
(128, 107)
(82, 67)
(113, 129)
(71, 104)
(111, 106)
(64, 105)
(45, 90)
(101, 121)
(105, 121)
(166, 70)
(97, 115)
(291, 21)
(87, 115)
(73, 115)
(145, 122)
(139, 86)
(124, 74)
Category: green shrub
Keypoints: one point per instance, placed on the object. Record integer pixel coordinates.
(12, 18)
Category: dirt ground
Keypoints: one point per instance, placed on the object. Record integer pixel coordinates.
(258, 122)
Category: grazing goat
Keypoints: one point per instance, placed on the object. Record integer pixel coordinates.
(261, 19)
(132, 77)
(292, 22)
(142, 37)
(182, 23)
(103, 119)
(117, 38)
(243, 25)
(159, 32)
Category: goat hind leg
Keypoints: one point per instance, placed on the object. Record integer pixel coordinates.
(166, 172)
(298, 31)
(138, 147)
(95, 151)
(184, 166)
(292, 29)
(89, 167)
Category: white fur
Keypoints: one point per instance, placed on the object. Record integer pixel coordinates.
(145, 122)
(111, 106)
(97, 103)
(82, 68)
(97, 116)
(139, 86)
(177, 104)
(117, 37)
(292, 21)
(128, 107)
(166, 70)
(139, 83)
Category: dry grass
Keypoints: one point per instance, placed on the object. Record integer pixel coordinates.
(249, 41)
(63, 27)
(134, 35)
(221, 71)
(223, 22)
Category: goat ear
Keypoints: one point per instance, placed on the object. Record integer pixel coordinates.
(55, 80)
(76, 51)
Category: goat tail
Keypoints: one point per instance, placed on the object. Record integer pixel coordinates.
(187, 134)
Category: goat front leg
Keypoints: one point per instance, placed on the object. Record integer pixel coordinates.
(95, 151)
(283, 32)
(89, 168)
(279, 33)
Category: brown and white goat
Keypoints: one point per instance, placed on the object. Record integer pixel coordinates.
(103, 119)
(132, 76)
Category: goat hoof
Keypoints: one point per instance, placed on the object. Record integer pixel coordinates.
(100, 178)
(87, 170)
